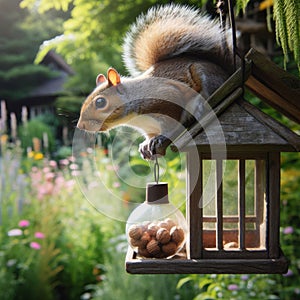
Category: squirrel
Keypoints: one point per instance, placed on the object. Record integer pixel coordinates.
(177, 57)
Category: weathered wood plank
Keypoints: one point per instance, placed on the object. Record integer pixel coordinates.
(185, 138)
(273, 204)
(237, 126)
(242, 203)
(219, 203)
(194, 207)
(292, 138)
(281, 104)
(205, 266)
(234, 82)
(283, 83)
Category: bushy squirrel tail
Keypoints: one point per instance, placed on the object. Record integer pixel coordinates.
(172, 30)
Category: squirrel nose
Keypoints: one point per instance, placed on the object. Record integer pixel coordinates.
(81, 125)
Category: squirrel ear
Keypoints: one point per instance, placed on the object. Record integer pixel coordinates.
(100, 79)
(113, 77)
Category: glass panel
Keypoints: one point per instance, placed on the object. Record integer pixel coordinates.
(252, 183)
(255, 205)
(209, 203)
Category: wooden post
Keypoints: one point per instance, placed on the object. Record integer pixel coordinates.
(273, 200)
(242, 204)
(219, 203)
(194, 206)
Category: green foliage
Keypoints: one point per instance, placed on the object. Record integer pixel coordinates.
(287, 18)
(21, 34)
(36, 128)
(52, 241)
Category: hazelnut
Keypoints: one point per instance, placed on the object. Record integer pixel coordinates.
(135, 232)
(169, 249)
(135, 243)
(163, 224)
(163, 236)
(145, 238)
(153, 247)
(177, 235)
(144, 252)
(152, 229)
(170, 223)
(231, 245)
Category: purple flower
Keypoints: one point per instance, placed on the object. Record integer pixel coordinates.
(39, 235)
(15, 232)
(233, 287)
(24, 223)
(35, 245)
(244, 277)
(288, 230)
(289, 273)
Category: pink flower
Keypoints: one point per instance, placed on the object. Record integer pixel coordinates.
(52, 163)
(116, 184)
(24, 223)
(288, 230)
(39, 235)
(15, 232)
(64, 162)
(35, 245)
(233, 287)
(74, 166)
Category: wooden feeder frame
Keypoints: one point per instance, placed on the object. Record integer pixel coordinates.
(280, 90)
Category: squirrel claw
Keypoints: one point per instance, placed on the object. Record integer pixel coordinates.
(154, 147)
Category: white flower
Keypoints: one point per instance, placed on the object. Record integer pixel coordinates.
(15, 232)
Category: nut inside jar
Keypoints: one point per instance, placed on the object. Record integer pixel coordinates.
(157, 239)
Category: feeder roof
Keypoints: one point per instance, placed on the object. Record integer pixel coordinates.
(239, 124)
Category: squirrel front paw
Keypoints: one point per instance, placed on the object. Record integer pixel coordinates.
(156, 146)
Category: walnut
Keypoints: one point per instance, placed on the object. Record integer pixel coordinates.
(153, 248)
(135, 232)
(169, 249)
(177, 234)
(163, 236)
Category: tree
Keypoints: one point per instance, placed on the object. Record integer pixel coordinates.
(95, 29)
(21, 33)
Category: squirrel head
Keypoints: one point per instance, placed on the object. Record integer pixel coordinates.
(102, 107)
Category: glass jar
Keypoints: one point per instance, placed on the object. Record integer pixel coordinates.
(156, 228)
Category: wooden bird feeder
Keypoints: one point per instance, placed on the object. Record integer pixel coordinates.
(234, 228)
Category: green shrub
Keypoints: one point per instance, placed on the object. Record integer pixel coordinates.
(36, 129)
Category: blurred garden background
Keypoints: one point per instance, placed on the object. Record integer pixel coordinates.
(53, 243)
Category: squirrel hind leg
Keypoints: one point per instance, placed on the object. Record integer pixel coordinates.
(195, 79)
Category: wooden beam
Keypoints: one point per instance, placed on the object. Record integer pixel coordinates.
(284, 106)
(292, 138)
(283, 84)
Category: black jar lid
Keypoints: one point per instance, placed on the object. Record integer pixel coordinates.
(157, 193)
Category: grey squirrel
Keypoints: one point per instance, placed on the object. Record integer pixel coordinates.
(173, 53)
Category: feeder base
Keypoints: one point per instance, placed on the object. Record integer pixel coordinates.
(182, 265)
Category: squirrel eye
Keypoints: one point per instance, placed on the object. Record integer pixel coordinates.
(100, 103)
